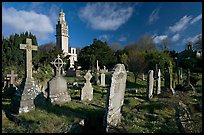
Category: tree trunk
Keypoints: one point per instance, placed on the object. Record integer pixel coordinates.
(135, 75)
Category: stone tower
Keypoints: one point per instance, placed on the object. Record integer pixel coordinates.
(62, 36)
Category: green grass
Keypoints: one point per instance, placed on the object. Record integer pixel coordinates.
(136, 112)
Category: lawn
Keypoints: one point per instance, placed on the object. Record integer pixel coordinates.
(139, 115)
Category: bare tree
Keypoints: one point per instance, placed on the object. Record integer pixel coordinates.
(136, 62)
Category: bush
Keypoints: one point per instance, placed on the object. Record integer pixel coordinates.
(194, 79)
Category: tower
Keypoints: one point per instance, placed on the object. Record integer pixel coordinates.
(62, 36)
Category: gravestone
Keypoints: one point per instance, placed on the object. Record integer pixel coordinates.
(12, 76)
(115, 97)
(158, 83)
(150, 84)
(78, 73)
(169, 78)
(57, 93)
(143, 77)
(87, 90)
(97, 66)
(23, 100)
(103, 77)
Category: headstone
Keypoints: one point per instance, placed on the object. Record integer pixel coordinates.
(97, 81)
(115, 97)
(87, 90)
(23, 100)
(97, 66)
(169, 77)
(150, 84)
(181, 73)
(12, 76)
(158, 83)
(78, 73)
(188, 77)
(57, 93)
(143, 77)
(103, 77)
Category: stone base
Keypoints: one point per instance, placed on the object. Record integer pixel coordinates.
(57, 93)
(23, 100)
(60, 98)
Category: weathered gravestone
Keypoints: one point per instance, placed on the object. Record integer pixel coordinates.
(87, 90)
(23, 100)
(158, 83)
(103, 77)
(169, 77)
(10, 91)
(115, 97)
(150, 84)
(12, 76)
(57, 93)
(78, 73)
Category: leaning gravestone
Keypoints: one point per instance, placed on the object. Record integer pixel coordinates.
(57, 93)
(87, 90)
(23, 100)
(115, 97)
(150, 84)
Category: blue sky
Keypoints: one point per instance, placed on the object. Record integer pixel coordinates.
(114, 22)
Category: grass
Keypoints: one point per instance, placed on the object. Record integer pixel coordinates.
(138, 114)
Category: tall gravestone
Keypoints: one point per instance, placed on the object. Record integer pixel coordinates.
(169, 77)
(103, 77)
(158, 83)
(23, 100)
(57, 93)
(115, 97)
(87, 90)
(150, 84)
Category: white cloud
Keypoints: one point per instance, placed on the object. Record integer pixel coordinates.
(158, 39)
(21, 21)
(122, 39)
(154, 16)
(175, 37)
(197, 18)
(191, 39)
(103, 37)
(106, 16)
(181, 24)
(36, 4)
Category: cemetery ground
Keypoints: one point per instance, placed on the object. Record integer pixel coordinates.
(161, 114)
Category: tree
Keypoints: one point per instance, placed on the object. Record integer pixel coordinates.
(145, 43)
(98, 50)
(136, 62)
(157, 57)
(115, 47)
(198, 43)
(165, 44)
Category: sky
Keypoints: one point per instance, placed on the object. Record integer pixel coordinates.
(115, 22)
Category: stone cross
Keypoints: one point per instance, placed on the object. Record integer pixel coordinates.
(58, 63)
(28, 47)
(12, 76)
(88, 77)
(150, 84)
